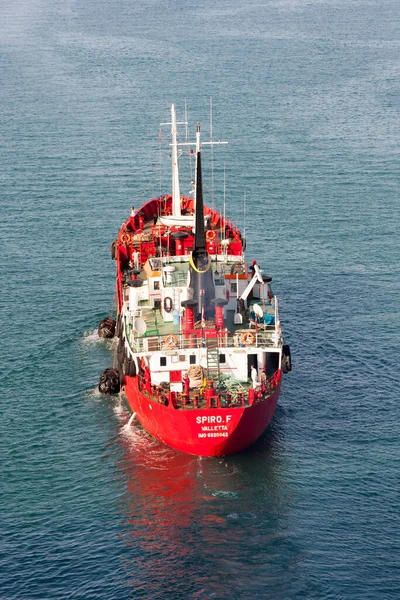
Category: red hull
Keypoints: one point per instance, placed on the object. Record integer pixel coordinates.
(210, 432)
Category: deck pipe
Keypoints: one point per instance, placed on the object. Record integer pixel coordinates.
(179, 237)
(189, 306)
(219, 312)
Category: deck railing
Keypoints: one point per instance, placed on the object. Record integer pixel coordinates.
(209, 398)
(172, 342)
(260, 336)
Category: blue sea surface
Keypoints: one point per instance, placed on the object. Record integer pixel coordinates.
(307, 93)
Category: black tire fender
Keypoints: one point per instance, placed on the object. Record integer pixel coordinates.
(286, 359)
(118, 326)
(113, 249)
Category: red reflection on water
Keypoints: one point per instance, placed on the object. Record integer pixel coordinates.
(182, 513)
(161, 489)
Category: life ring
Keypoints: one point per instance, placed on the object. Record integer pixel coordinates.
(168, 306)
(171, 340)
(125, 238)
(210, 235)
(248, 338)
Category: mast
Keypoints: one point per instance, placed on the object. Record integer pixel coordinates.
(176, 218)
(176, 196)
(199, 146)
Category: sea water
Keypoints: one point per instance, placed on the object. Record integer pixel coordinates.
(307, 95)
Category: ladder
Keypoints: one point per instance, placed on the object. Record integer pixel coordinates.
(213, 363)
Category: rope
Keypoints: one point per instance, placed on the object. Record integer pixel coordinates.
(115, 363)
(113, 304)
(195, 374)
(208, 324)
(198, 270)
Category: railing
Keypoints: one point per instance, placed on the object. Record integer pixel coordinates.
(173, 342)
(177, 280)
(266, 336)
(209, 398)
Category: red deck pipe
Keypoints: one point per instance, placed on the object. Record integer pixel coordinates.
(134, 274)
(189, 318)
(219, 317)
(189, 306)
(219, 312)
(132, 218)
(179, 249)
(179, 237)
(211, 247)
(209, 393)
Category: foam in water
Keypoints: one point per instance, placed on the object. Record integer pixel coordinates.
(91, 338)
(119, 409)
(94, 393)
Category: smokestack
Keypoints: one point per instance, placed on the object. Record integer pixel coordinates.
(199, 238)
(201, 277)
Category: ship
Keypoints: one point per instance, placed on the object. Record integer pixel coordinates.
(199, 347)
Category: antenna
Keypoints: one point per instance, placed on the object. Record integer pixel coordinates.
(224, 201)
(176, 197)
(197, 144)
(160, 156)
(186, 123)
(212, 157)
(244, 216)
(187, 142)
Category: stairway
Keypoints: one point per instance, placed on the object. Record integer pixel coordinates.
(213, 363)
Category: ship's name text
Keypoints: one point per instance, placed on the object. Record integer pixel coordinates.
(200, 420)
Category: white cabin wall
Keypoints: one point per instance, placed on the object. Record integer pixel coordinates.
(154, 294)
(233, 296)
(220, 291)
(177, 298)
(159, 373)
(236, 364)
(135, 295)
